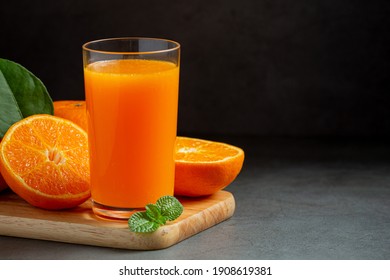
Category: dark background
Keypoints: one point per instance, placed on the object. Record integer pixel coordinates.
(249, 67)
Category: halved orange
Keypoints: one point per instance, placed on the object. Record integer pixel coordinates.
(204, 167)
(44, 159)
(73, 110)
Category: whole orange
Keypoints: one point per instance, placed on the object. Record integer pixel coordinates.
(73, 110)
(204, 167)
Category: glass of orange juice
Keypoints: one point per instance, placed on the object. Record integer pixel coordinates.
(131, 90)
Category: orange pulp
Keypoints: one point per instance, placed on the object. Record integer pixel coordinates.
(132, 118)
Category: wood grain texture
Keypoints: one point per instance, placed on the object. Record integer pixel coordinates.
(81, 226)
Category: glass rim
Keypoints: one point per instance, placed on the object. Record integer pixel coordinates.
(86, 47)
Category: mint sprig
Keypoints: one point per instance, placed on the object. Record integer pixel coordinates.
(167, 208)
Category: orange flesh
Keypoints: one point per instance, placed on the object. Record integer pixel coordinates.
(192, 150)
(48, 161)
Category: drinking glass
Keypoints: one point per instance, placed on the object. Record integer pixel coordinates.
(131, 90)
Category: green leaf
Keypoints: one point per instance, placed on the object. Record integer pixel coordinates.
(22, 94)
(140, 222)
(170, 207)
(154, 214)
(167, 208)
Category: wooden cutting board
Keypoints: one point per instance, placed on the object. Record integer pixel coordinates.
(81, 226)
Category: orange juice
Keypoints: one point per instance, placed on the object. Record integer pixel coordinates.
(132, 118)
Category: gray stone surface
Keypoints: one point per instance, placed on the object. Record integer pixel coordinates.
(296, 199)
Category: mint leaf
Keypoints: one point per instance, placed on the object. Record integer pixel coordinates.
(167, 208)
(140, 222)
(170, 207)
(154, 214)
(22, 94)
